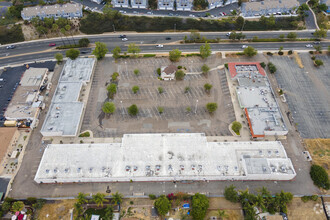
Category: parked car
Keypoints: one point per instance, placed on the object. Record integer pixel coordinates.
(124, 39)
(244, 46)
(11, 47)
(168, 38)
(160, 46)
(52, 44)
(122, 36)
(309, 46)
(149, 13)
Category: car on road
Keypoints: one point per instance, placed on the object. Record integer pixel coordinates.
(160, 46)
(191, 15)
(317, 42)
(122, 36)
(124, 39)
(228, 34)
(135, 12)
(149, 13)
(52, 44)
(123, 12)
(168, 38)
(309, 45)
(11, 47)
(244, 46)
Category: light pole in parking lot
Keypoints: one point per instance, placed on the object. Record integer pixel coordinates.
(196, 106)
(122, 108)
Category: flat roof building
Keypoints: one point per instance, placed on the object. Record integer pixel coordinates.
(268, 7)
(164, 157)
(66, 110)
(257, 98)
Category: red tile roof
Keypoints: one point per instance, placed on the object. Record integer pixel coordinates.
(232, 69)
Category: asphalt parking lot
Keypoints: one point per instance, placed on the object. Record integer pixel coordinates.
(11, 77)
(173, 100)
(307, 93)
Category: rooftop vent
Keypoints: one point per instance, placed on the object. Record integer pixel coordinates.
(47, 170)
(78, 169)
(157, 167)
(128, 168)
(135, 168)
(193, 167)
(182, 167)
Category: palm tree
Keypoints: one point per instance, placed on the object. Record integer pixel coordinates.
(222, 214)
(98, 198)
(82, 198)
(117, 198)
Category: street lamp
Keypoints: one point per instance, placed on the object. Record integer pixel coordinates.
(196, 106)
(122, 108)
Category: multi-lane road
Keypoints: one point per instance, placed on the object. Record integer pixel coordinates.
(36, 50)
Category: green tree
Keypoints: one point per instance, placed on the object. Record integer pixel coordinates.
(318, 62)
(175, 55)
(133, 110)
(82, 198)
(323, 7)
(6, 206)
(55, 27)
(320, 33)
(211, 107)
(160, 90)
(160, 109)
(179, 75)
(318, 48)
(48, 22)
(135, 89)
(186, 89)
(205, 50)
(133, 49)
(232, 35)
(100, 50)
(163, 205)
(72, 53)
(17, 206)
(236, 127)
(117, 198)
(250, 51)
(108, 213)
(99, 199)
(112, 90)
(272, 68)
(222, 214)
(83, 42)
(199, 205)
(205, 69)
(195, 35)
(292, 35)
(78, 209)
(109, 108)
(231, 194)
(136, 72)
(58, 57)
(281, 37)
(207, 87)
(114, 76)
(239, 22)
(116, 52)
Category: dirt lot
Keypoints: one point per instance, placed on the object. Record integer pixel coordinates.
(57, 210)
(174, 100)
(297, 209)
(320, 152)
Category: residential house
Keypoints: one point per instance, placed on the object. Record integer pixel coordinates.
(184, 5)
(120, 3)
(166, 4)
(139, 3)
(70, 10)
(269, 7)
(168, 73)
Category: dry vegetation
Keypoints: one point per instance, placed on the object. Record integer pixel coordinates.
(57, 210)
(298, 59)
(320, 152)
(297, 209)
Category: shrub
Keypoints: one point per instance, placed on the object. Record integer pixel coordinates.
(280, 53)
(207, 87)
(159, 71)
(308, 198)
(313, 57)
(205, 69)
(231, 194)
(135, 89)
(186, 89)
(179, 75)
(236, 127)
(188, 109)
(160, 110)
(290, 52)
(320, 176)
(211, 107)
(84, 42)
(152, 196)
(72, 53)
(114, 76)
(58, 57)
(175, 55)
(271, 67)
(112, 90)
(199, 205)
(17, 206)
(226, 65)
(262, 64)
(250, 51)
(179, 67)
(133, 110)
(311, 52)
(318, 62)
(160, 90)
(85, 134)
(136, 72)
(269, 53)
(149, 55)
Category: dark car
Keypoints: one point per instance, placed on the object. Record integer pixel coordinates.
(11, 47)
(122, 36)
(168, 38)
(85, 51)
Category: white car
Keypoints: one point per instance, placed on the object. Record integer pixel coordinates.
(228, 33)
(124, 39)
(244, 46)
(309, 46)
(160, 46)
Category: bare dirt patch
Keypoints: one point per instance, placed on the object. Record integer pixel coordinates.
(297, 209)
(320, 152)
(57, 210)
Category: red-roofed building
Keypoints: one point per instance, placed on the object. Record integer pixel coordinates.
(237, 69)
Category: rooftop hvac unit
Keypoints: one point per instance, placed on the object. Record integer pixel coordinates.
(135, 168)
(181, 167)
(147, 168)
(66, 170)
(219, 168)
(47, 170)
(78, 170)
(157, 167)
(128, 168)
(170, 168)
(91, 169)
(193, 167)
(55, 170)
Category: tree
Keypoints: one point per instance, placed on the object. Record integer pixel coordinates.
(281, 37)
(112, 90)
(136, 72)
(271, 67)
(236, 126)
(222, 214)
(199, 205)
(205, 69)
(323, 7)
(163, 205)
(117, 198)
(100, 50)
(205, 50)
(114, 76)
(318, 62)
(211, 107)
(83, 42)
(109, 108)
(263, 65)
(133, 110)
(195, 35)
(160, 90)
(116, 52)
(320, 33)
(160, 109)
(292, 35)
(207, 87)
(133, 49)
(232, 35)
(179, 75)
(239, 22)
(250, 51)
(82, 198)
(108, 212)
(72, 53)
(59, 57)
(6, 206)
(231, 194)
(99, 199)
(55, 27)
(318, 48)
(17, 206)
(175, 55)
(135, 89)
(78, 208)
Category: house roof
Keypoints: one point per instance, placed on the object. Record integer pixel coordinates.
(170, 69)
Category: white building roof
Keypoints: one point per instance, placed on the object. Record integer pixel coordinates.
(51, 9)
(33, 76)
(78, 70)
(164, 157)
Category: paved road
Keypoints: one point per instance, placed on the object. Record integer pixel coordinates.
(309, 20)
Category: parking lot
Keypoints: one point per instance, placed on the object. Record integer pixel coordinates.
(10, 78)
(174, 101)
(307, 93)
